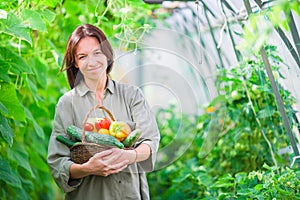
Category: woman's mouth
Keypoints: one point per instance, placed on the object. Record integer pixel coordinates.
(93, 69)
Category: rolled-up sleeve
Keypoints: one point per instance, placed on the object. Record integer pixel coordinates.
(145, 120)
(59, 154)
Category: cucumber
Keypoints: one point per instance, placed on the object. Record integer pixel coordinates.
(75, 132)
(65, 140)
(98, 138)
(132, 138)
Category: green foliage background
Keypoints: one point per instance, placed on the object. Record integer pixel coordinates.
(235, 153)
(33, 35)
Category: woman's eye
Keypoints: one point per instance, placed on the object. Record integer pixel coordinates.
(98, 52)
(81, 57)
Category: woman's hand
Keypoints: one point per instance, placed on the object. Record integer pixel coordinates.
(104, 163)
(111, 162)
(108, 162)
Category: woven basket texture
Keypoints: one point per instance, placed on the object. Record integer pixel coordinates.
(81, 153)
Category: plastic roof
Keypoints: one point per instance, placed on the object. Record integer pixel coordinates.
(186, 40)
(233, 9)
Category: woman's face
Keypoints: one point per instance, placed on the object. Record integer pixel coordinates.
(90, 59)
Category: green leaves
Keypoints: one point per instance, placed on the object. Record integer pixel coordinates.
(260, 25)
(47, 15)
(19, 154)
(4, 67)
(41, 72)
(48, 3)
(20, 26)
(5, 130)
(33, 19)
(37, 19)
(13, 26)
(7, 175)
(38, 162)
(14, 63)
(225, 181)
(36, 126)
(268, 111)
(3, 109)
(8, 98)
(232, 148)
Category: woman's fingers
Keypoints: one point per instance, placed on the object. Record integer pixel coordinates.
(108, 162)
(103, 154)
(120, 165)
(114, 156)
(113, 169)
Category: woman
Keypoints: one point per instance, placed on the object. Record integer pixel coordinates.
(114, 173)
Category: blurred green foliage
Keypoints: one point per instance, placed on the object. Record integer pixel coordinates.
(238, 137)
(262, 22)
(241, 134)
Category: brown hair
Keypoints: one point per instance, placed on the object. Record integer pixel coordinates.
(86, 30)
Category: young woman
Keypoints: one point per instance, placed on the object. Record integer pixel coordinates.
(114, 173)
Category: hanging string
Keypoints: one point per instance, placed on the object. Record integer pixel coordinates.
(294, 160)
(199, 30)
(224, 25)
(267, 12)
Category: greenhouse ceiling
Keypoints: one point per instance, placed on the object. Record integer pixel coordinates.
(232, 9)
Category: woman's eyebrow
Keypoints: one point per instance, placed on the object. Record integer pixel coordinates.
(78, 54)
(96, 49)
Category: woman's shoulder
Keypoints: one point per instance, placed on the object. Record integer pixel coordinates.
(127, 87)
(129, 91)
(67, 97)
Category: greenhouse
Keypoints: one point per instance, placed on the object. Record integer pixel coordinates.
(149, 99)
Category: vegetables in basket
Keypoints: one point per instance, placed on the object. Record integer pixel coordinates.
(132, 138)
(119, 129)
(65, 141)
(97, 138)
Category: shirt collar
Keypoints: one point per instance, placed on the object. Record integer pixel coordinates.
(110, 86)
(83, 89)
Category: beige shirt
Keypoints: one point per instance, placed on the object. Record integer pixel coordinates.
(126, 103)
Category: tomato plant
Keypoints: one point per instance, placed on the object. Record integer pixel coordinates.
(229, 157)
(250, 118)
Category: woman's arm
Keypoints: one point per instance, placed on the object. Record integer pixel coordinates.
(58, 157)
(110, 162)
(145, 120)
(142, 152)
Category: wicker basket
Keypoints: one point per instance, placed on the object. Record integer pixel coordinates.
(82, 152)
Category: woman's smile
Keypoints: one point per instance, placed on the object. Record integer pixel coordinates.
(93, 69)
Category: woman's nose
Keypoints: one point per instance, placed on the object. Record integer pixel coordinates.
(92, 61)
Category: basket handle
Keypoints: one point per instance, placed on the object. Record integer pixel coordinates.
(87, 116)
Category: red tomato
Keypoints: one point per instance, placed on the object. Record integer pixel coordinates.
(89, 127)
(98, 125)
(102, 123)
(105, 123)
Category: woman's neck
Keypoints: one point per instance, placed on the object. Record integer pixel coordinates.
(98, 87)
